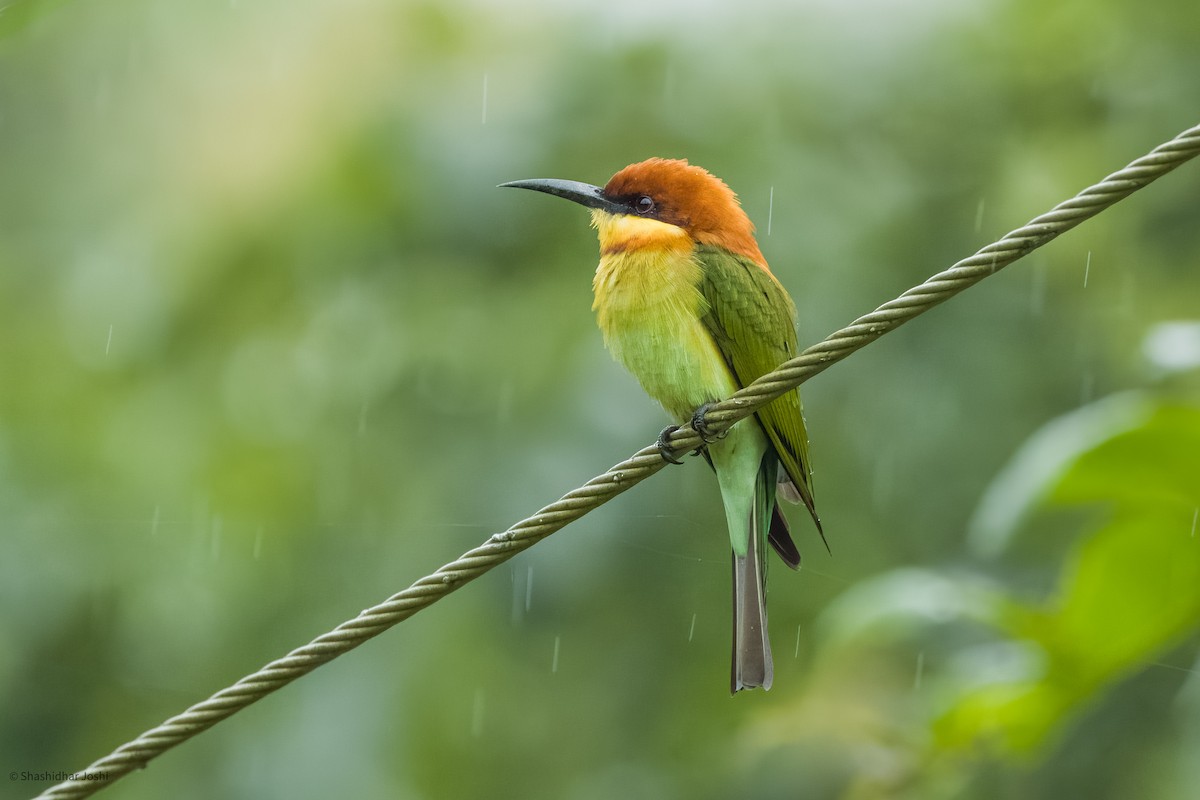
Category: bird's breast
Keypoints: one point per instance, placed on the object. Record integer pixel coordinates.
(650, 309)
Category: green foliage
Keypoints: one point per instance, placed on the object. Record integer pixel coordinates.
(1122, 598)
(1128, 590)
(272, 345)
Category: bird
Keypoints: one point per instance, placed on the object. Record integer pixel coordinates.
(686, 302)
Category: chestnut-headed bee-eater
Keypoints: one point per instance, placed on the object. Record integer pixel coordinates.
(686, 302)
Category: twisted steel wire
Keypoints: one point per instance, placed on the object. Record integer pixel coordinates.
(502, 546)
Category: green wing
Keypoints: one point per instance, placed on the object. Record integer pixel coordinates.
(753, 321)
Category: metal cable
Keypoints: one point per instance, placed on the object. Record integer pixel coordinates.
(502, 546)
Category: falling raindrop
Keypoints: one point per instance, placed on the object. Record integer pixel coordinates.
(770, 209)
(528, 587)
(1174, 667)
(485, 94)
(518, 608)
(554, 662)
(1087, 266)
(108, 343)
(692, 630)
(797, 653)
(979, 215)
(1195, 516)
(477, 714)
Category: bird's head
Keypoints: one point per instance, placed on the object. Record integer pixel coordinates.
(656, 203)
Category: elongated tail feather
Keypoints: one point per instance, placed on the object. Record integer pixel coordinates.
(752, 663)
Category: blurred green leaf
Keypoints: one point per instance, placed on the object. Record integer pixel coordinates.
(17, 15)
(1130, 588)
(272, 345)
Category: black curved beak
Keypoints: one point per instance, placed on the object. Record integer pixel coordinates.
(583, 193)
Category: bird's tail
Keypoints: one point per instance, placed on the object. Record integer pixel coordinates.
(752, 664)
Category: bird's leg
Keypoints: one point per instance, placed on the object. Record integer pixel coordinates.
(668, 452)
(701, 427)
(664, 447)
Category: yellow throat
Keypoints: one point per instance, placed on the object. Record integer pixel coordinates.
(649, 307)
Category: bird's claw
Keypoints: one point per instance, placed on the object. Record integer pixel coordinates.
(664, 446)
(701, 427)
(664, 440)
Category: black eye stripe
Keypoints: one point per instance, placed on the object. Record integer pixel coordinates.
(643, 205)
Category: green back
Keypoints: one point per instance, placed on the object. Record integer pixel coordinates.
(753, 321)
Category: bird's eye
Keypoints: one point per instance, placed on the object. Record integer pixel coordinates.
(644, 204)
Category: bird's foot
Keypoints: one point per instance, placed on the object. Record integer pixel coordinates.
(664, 447)
(701, 427)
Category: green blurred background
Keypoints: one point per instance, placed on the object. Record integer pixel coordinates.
(272, 346)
